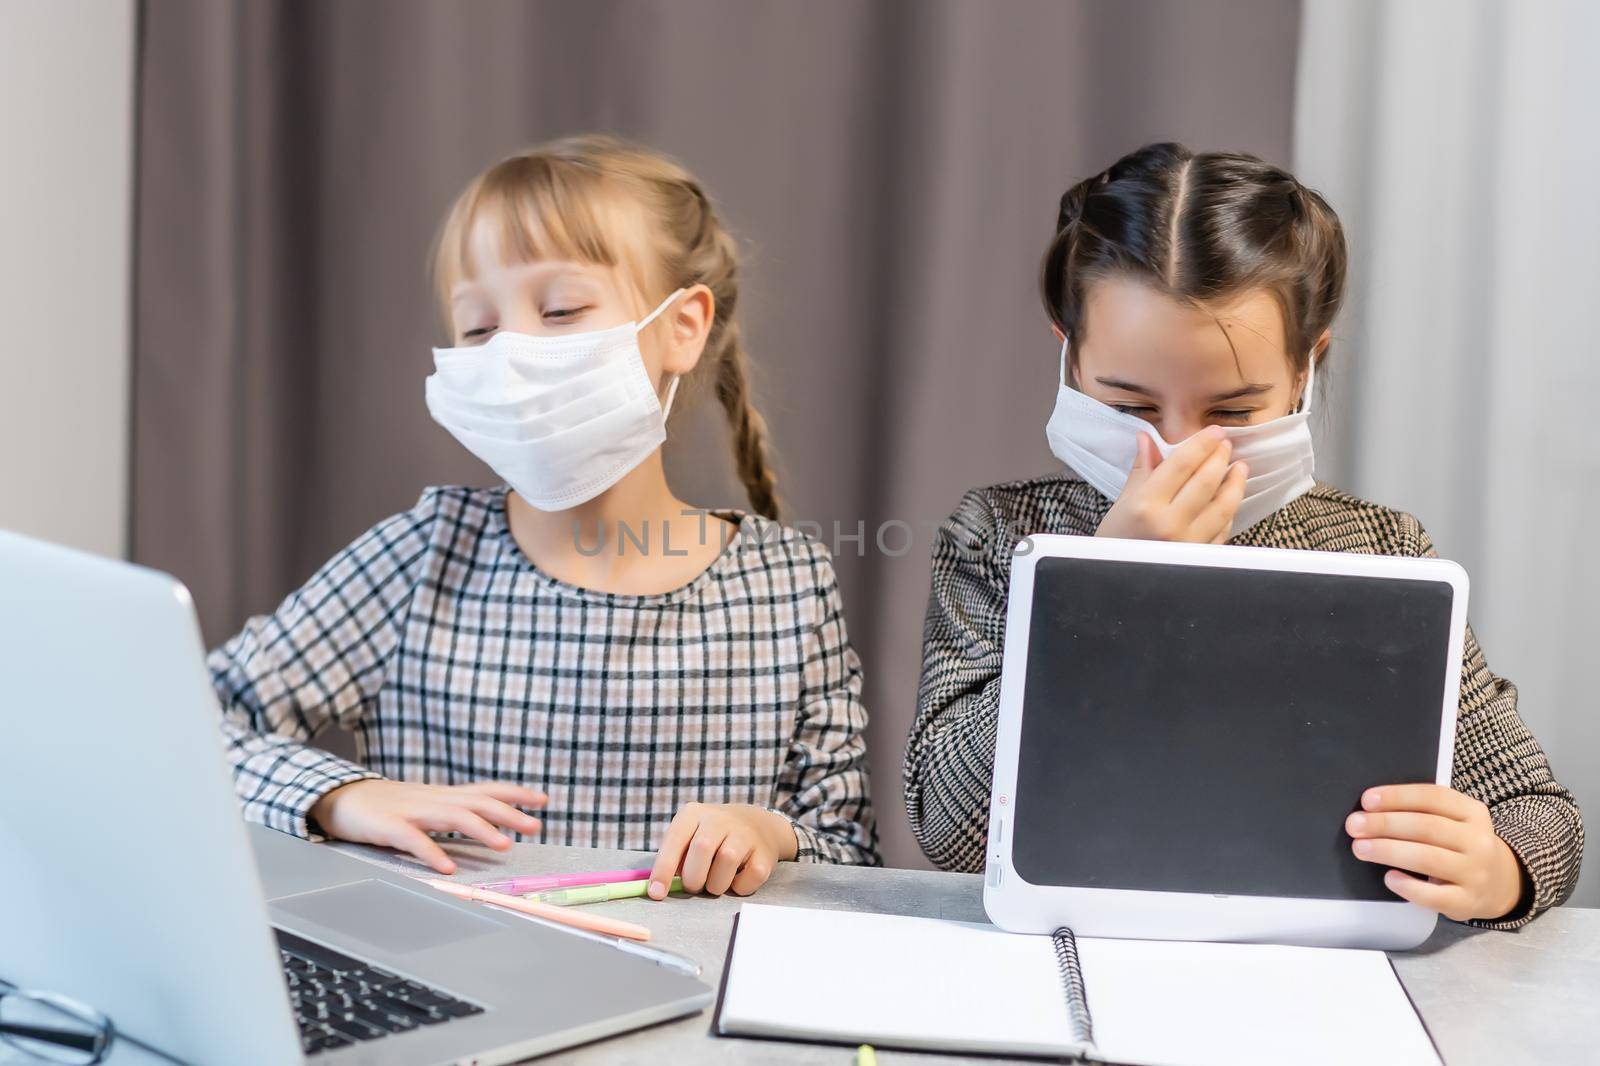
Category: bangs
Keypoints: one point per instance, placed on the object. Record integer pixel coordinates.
(540, 208)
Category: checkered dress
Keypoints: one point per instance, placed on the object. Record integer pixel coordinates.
(950, 755)
(453, 659)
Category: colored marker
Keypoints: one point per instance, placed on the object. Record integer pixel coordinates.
(593, 922)
(655, 955)
(521, 886)
(572, 897)
(866, 1056)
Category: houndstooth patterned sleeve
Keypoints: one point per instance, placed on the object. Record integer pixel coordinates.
(319, 658)
(823, 788)
(1499, 763)
(949, 759)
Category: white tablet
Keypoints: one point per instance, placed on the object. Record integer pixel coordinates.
(1184, 729)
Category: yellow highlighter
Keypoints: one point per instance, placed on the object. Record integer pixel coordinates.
(572, 897)
(865, 1056)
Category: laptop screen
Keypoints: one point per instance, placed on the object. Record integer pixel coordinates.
(1208, 729)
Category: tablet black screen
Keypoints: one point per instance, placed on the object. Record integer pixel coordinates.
(1206, 729)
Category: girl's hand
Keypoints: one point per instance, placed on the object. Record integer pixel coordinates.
(718, 846)
(1445, 836)
(1191, 495)
(400, 815)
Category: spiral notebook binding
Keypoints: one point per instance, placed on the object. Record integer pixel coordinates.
(1066, 946)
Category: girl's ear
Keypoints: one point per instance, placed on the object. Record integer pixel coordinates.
(1319, 349)
(688, 325)
(1061, 338)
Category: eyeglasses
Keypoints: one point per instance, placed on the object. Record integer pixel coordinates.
(52, 1028)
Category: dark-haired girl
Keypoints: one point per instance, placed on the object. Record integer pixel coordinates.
(1192, 292)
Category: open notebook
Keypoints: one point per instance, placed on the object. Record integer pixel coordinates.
(802, 974)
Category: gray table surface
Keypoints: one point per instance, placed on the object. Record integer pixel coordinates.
(1532, 995)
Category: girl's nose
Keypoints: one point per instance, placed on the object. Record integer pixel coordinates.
(1176, 431)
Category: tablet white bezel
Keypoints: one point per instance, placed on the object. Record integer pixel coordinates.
(1019, 906)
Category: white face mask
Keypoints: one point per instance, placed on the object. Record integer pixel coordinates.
(1102, 443)
(562, 418)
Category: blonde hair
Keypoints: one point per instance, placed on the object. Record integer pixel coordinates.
(572, 198)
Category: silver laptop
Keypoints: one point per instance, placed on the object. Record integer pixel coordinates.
(130, 884)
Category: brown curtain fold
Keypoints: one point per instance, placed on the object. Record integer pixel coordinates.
(892, 167)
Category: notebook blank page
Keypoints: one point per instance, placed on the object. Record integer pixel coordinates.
(1177, 1004)
(885, 979)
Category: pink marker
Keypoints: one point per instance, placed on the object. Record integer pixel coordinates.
(573, 916)
(516, 886)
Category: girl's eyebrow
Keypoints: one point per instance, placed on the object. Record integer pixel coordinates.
(1239, 393)
(1247, 390)
(572, 274)
(537, 271)
(1115, 383)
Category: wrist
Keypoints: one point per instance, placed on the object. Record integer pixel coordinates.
(1511, 881)
(322, 810)
(780, 832)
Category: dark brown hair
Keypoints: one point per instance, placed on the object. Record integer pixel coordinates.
(1199, 228)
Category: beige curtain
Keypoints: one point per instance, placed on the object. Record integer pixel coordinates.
(893, 168)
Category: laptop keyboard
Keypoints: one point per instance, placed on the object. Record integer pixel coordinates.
(339, 1000)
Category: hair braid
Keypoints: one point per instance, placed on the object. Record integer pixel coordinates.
(748, 427)
(712, 259)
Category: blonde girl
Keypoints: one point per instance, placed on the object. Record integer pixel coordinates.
(579, 642)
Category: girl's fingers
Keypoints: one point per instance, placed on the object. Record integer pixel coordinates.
(732, 855)
(516, 795)
(404, 836)
(1176, 469)
(1203, 485)
(1442, 898)
(701, 853)
(1215, 523)
(453, 819)
(1424, 859)
(1428, 798)
(1149, 454)
(1145, 460)
(670, 857)
(501, 814)
(754, 874)
(1432, 829)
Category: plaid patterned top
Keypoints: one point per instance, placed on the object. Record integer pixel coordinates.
(453, 659)
(950, 756)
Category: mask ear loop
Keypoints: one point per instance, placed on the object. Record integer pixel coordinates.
(1063, 360)
(1311, 382)
(660, 307)
(672, 390)
(672, 394)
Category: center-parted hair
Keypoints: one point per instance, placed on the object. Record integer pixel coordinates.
(594, 199)
(1200, 228)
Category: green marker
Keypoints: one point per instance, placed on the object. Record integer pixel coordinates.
(571, 897)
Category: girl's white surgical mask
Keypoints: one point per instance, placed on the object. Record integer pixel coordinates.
(561, 418)
(1102, 443)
